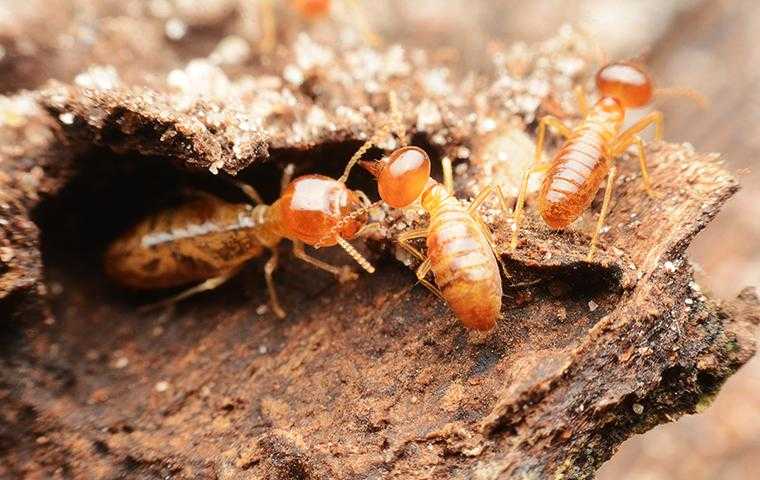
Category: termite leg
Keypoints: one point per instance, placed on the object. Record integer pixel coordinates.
(287, 176)
(429, 285)
(422, 272)
(372, 39)
(269, 269)
(643, 164)
(537, 167)
(473, 210)
(603, 214)
(550, 121)
(424, 282)
(448, 174)
(423, 269)
(204, 286)
(343, 273)
(268, 33)
(520, 204)
(412, 234)
(403, 241)
(404, 238)
(249, 192)
(489, 238)
(483, 196)
(581, 99)
(626, 137)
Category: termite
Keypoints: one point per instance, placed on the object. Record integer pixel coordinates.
(460, 250)
(311, 10)
(588, 155)
(208, 239)
(462, 255)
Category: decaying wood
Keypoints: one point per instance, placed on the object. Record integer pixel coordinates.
(374, 379)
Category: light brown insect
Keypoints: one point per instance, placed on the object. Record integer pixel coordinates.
(577, 170)
(311, 10)
(460, 251)
(461, 255)
(208, 240)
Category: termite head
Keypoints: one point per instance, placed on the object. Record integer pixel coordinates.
(312, 9)
(316, 209)
(626, 82)
(434, 196)
(402, 176)
(611, 109)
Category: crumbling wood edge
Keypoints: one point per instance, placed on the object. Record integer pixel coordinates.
(527, 401)
(633, 370)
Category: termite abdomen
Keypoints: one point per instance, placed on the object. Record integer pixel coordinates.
(194, 241)
(462, 261)
(574, 178)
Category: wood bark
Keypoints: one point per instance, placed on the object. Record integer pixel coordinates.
(372, 379)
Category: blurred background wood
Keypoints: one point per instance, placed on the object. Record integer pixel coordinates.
(713, 48)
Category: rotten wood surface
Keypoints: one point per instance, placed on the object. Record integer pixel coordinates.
(374, 379)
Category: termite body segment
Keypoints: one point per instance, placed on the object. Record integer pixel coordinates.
(579, 167)
(587, 157)
(209, 240)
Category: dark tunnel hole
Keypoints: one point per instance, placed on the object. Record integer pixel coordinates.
(18, 312)
(577, 282)
(111, 192)
(708, 382)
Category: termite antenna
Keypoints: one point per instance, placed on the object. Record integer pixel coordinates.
(448, 174)
(597, 50)
(356, 255)
(268, 26)
(287, 176)
(349, 218)
(396, 120)
(371, 141)
(698, 98)
(394, 124)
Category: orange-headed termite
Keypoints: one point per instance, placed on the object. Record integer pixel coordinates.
(460, 250)
(208, 240)
(588, 155)
(311, 10)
